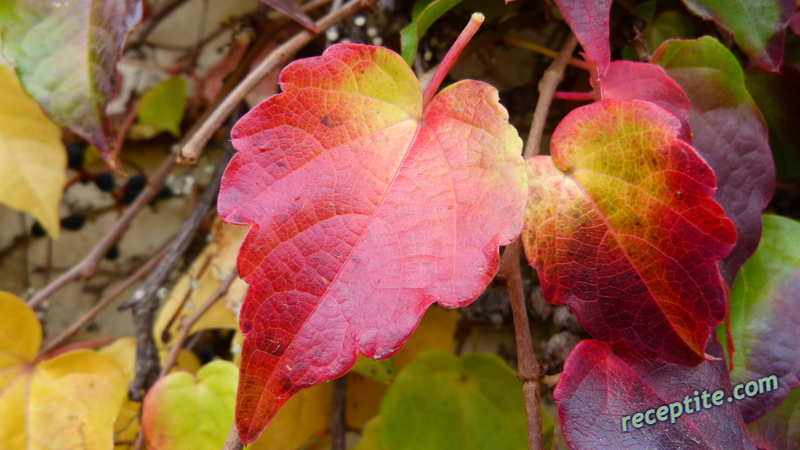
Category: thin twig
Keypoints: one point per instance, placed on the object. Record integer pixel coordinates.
(102, 304)
(187, 323)
(529, 370)
(88, 265)
(338, 422)
(547, 88)
(575, 62)
(191, 150)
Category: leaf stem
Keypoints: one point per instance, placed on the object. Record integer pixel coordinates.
(338, 404)
(576, 96)
(452, 55)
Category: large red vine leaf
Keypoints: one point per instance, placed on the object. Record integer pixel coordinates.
(66, 55)
(365, 209)
(729, 132)
(600, 388)
(622, 228)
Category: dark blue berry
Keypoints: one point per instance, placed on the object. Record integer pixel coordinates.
(37, 230)
(73, 222)
(104, 181)
(133, 188)
(75, 155)
(165, 192)
(113, 253)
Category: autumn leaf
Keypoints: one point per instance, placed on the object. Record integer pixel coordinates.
(622, 228)
(627, 80)
(765, 317)
(365, 209)
(181, 411)
(67, 401)
(66, 55)
(205, 275)
(728, 132)
(304, 417)
(601, 392)
(757, 25)
(443, 401)
(589, 20)
(123, 352)
(779, 428)
(33, 159)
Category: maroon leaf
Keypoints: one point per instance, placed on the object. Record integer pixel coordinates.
(622, 399)
(765, 318)
(729, 132)
(66, 55)
(589, 20)
(292, 9)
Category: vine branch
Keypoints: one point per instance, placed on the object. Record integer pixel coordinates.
(529, 370)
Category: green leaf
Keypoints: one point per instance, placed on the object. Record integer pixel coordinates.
(181, 411)
(66, 55)
(757, 25)
(765, 316)
(381, 371)
(779, 428)
(423, 15)
(161, 109)
(443, 401)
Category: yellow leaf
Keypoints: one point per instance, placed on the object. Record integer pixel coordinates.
(33, 160)
(200, 282)
(435, 331)
(304, 416)
(182, 411)
(69, 401)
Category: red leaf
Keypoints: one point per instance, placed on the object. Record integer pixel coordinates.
(729, 132)
(622, 228)
(589, 20)
(292, 9)
(600, 388)
(626, 80)
(364, 211)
